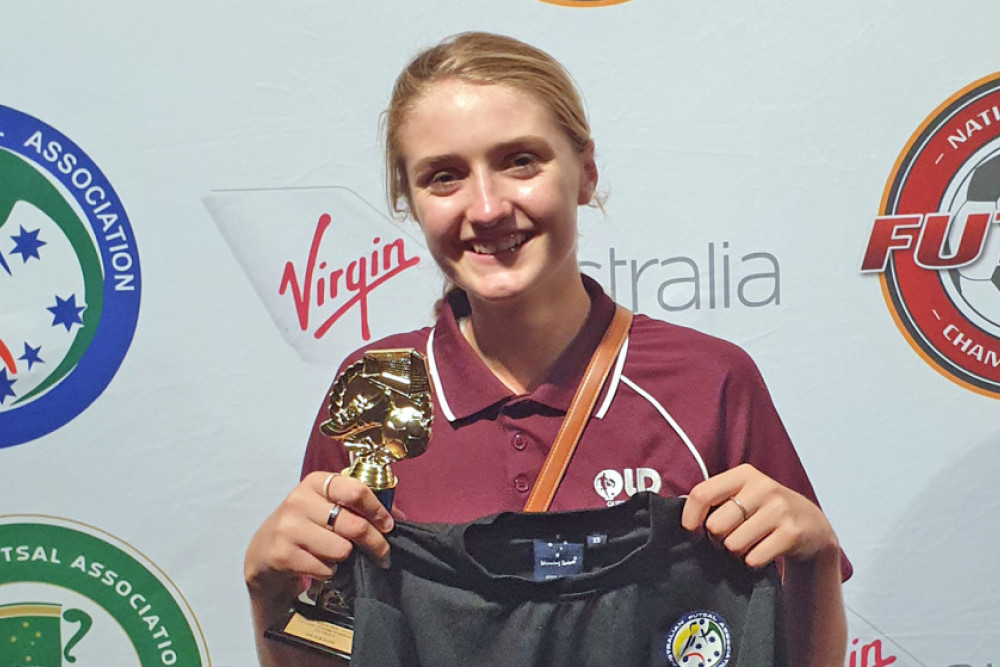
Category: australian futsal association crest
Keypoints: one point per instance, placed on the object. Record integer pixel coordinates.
(69, 279)
(936, 243)
(699, 639)
(71, 593)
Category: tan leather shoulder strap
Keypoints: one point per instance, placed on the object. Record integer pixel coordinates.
(579, 412)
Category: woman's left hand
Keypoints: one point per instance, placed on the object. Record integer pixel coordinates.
(759, 519)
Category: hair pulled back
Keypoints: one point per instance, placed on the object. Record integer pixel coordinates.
(483, 58)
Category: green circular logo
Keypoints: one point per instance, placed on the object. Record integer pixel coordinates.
(72, 594)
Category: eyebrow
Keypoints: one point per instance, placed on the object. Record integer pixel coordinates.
(529, 140)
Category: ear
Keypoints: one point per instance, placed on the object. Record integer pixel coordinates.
(588, 174)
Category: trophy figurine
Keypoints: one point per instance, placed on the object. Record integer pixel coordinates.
(380, 408)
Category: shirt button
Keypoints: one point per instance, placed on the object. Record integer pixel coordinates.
(521, 483)
(518, 442)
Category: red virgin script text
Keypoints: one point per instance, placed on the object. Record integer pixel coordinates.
(319, 288)
(868, 655)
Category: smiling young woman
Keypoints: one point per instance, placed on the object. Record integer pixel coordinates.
(495, 184)
(489, 151)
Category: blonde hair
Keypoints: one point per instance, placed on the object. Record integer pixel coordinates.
(485, 58)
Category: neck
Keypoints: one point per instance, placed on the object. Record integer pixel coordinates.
(521, 339)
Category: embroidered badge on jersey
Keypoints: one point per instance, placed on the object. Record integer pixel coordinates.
(699, 639)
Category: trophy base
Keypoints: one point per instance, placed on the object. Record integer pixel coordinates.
(325, 632)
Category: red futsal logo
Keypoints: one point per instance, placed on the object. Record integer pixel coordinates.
(936, 244)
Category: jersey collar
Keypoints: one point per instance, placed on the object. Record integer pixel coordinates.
(465, 387)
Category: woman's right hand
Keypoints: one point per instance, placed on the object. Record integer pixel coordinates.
(295, 540)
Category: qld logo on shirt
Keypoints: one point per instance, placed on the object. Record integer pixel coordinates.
(610, 483)
(699, 639)
(936, 244)
(69, 279)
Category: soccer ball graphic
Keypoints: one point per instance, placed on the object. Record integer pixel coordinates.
(975, 288)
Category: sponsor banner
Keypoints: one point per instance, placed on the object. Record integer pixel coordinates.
(872, 652)
(70, 593)
(716, 276)
(928, 598)
(327, 265)
(69, 279)
(936, 244)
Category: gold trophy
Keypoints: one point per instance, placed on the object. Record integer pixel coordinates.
(380, 408)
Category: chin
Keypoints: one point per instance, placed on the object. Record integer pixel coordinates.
(496, 291)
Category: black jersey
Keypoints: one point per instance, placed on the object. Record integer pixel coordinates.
(626, 585)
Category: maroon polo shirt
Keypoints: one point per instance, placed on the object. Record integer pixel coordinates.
(488, 444)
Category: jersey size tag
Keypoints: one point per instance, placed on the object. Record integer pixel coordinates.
(557, 559)
(596, 540)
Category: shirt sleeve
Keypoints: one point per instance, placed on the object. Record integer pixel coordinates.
(757, 436)
(323, 453)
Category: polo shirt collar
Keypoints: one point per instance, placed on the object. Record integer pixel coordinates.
(468, 387)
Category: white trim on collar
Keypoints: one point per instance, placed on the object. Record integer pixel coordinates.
(669, 418)
(616, 376)
(616, 379)
(442, 402)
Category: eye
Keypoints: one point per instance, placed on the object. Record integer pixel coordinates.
(441, 177)
(524, 163)
(439, 181)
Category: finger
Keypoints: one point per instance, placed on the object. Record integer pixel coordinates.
(305, 563)
(772, 531)
(766, 550)
(711, 493)
(354, 495)
(726, 518)
(358, 531)
(748, 535)
(334, 530)
(334, 533)
(301, 547)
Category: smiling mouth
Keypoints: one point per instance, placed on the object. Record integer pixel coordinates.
(508, 243)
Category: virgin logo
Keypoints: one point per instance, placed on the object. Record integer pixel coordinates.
(322, 293)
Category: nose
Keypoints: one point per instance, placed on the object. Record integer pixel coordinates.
(488, 203)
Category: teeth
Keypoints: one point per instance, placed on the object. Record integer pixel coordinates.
(505, 244)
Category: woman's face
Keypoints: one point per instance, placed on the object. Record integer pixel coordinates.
(495, 183)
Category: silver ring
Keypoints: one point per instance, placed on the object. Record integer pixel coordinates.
(334, 511)
(746, 514)
(326, 485)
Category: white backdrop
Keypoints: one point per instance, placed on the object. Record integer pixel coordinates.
(730, 128)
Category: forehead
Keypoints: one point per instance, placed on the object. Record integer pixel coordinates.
(454, 115)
